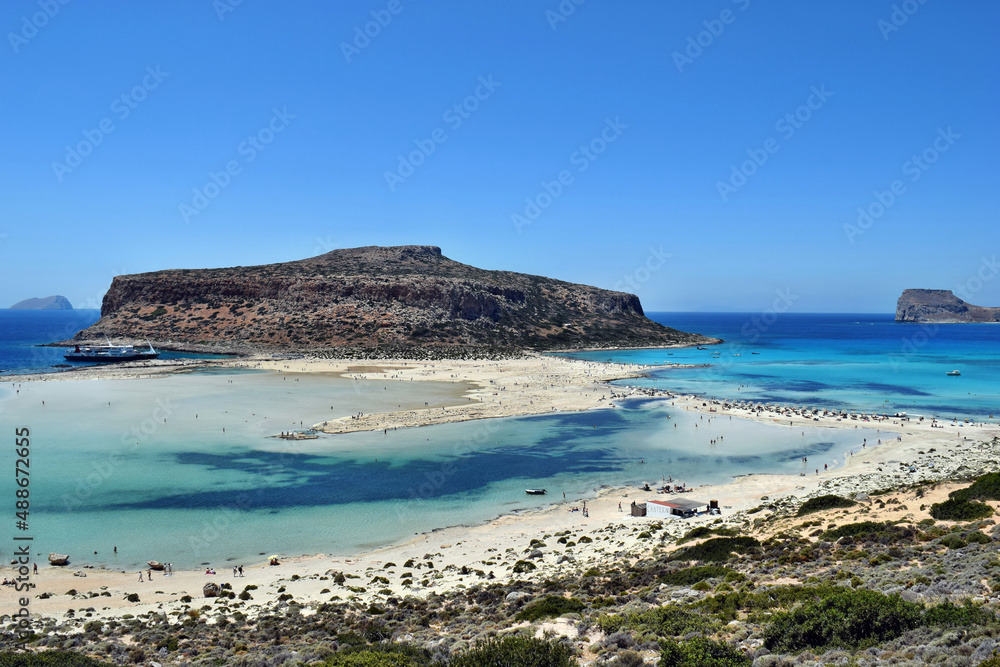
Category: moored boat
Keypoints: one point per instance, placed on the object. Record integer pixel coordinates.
(535, 492)
(109, 353)
(953, 373)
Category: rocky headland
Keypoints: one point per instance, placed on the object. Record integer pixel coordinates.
(381, 301)
(940, 306)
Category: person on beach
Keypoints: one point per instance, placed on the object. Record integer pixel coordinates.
(140, 576)
(241, 570)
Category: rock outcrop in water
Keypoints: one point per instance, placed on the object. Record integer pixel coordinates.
(940, 306)
(54, 302)
(383, 299)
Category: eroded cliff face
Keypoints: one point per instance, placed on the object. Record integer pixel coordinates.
(373, 298)
(940, 305)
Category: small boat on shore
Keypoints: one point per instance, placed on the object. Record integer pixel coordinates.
(535, 492)
(953, 373)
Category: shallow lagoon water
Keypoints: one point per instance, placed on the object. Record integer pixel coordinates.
(839, 361)
(189, 493)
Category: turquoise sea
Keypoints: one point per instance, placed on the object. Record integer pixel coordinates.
(183, 468)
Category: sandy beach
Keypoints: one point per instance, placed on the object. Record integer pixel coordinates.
(906, 452)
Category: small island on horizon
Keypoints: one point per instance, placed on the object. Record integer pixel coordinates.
(940, 306)
(54, 302)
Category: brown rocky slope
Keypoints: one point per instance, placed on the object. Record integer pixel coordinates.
(378, 299)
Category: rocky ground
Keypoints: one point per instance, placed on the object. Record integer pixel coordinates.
(924, 591)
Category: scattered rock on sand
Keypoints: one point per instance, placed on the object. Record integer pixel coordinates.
(58, 559)
(212, 590)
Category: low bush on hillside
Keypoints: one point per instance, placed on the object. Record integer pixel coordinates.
(705, 531)
(854, 619)
(964, 505)
(873, 531)
(955, 509)
(717, 549)
(515, 650)
(824, 503)
(701, 652)
(667, 621)
(549, 606)
(692, 575)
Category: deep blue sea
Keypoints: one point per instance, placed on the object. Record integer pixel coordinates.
(183, 468)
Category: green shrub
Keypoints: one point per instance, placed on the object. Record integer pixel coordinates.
(949, 615)
(692, 575)
(842, 618)
(855, 529)
(379, 655)
(955, 509)
(522, 566)
(717, 549)
(992, 661)
(550, 605)
(986, 487)
(701, 652)
(515, 651)
(705, 531)
(821, 503)
(667, 621)
(953, 541)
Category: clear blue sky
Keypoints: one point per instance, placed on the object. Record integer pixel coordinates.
(311, 115)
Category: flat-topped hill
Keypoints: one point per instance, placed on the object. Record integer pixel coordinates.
(387, 299)
(940, 305)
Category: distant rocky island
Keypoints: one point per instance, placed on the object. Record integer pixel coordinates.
(54, 302)
(379, 300)
(940, 306)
